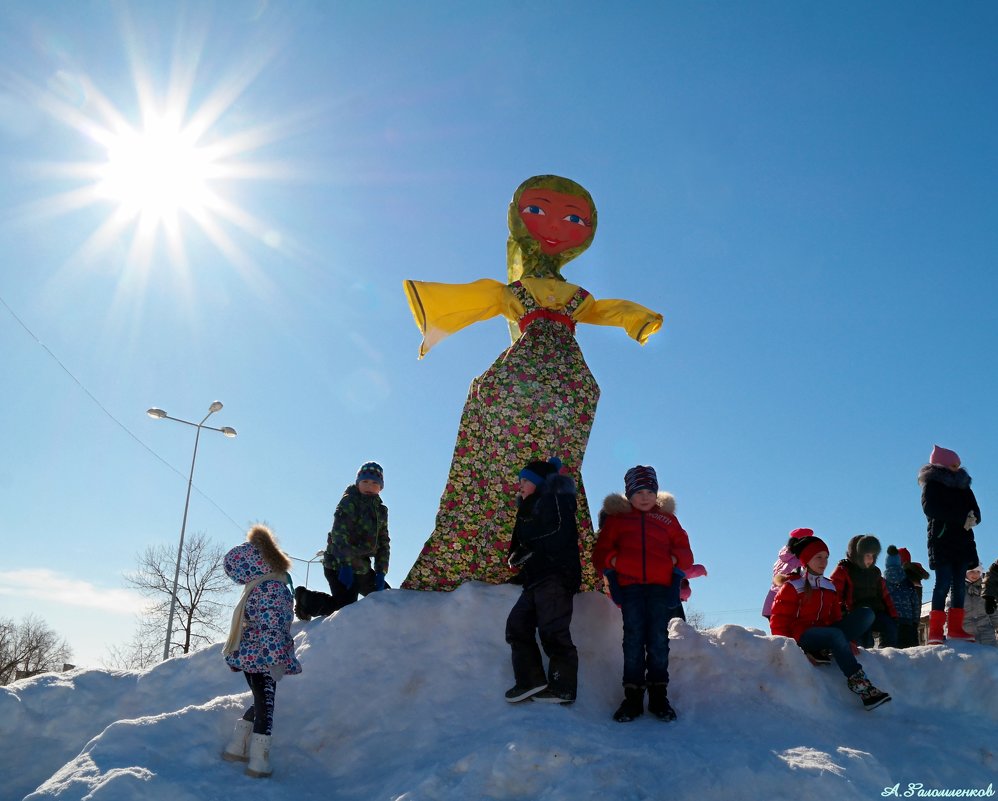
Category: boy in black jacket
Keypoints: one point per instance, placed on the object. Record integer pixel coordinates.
(545, 548)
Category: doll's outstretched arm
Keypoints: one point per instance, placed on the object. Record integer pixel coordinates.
(638, 321)
(441, 309)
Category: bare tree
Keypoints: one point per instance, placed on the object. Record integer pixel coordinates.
(697, 619)
(30, 647)
(144, 650)
(201, 610)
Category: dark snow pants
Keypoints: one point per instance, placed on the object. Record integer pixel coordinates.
(544, 609)
(320, 604)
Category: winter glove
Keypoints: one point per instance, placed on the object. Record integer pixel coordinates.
(345, 576)
(971, 521)
(990, 605)
(379, 581)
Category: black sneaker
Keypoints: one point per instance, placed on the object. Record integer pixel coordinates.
(550, 696)
(518, 693)
(300, 612)
(823, 657)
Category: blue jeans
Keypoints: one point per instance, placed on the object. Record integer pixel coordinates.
(646, 612)
(836, 638)
(950, 578)
(888, 629)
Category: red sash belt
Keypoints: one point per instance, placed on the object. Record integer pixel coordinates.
(546, 314)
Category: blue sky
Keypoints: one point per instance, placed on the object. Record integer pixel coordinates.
(806, 191)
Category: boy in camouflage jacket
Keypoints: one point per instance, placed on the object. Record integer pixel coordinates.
(359, 534)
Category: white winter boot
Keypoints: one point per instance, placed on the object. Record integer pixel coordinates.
(259, 756)
(236, 750)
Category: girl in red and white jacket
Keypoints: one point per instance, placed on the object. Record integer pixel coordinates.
(809, 610)
(642, 542)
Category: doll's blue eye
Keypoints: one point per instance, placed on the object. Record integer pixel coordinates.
(532, 210)
(575, 219)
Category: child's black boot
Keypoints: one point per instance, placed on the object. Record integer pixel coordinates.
(301, 604)
(633, 705)
(658, 702)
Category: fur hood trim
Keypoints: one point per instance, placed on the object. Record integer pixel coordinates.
(861, 545)
(263, 538)
(617, 504)
(559, 484)
(930, 472)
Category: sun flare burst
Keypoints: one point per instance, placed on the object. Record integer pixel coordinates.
(158, 171)
(164, 167)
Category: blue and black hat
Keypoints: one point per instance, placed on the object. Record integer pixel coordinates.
(537, 471)
(371, 471)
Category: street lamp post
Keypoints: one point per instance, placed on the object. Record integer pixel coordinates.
(159, 414)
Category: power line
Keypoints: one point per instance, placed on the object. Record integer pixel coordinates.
(104, 409)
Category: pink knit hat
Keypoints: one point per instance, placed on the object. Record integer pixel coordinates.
(943, 457)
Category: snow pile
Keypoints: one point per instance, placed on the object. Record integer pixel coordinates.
(402, 698)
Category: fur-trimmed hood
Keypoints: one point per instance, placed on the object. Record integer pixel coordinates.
(559, 484)
(950, 478)
(860, 545)
(258, 556)
(617, 504)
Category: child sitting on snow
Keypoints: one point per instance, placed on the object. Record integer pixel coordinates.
(259, 642)
(545, 549)
(641, 540)
(808, 610)
(860, 584)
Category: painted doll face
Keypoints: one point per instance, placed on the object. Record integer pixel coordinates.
(557, 220)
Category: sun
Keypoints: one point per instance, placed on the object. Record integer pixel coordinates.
(157, 172)
(163, 166)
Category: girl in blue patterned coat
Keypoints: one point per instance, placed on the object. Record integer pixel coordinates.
(259, 643)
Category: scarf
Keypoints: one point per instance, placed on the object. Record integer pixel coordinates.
(238, 622)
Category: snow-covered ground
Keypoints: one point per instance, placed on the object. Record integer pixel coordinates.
(402, 698)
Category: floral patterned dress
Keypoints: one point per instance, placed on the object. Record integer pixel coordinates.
(537, 400)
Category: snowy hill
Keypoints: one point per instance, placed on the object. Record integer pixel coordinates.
(401, 698)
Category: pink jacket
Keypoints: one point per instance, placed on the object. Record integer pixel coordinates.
(786, 565)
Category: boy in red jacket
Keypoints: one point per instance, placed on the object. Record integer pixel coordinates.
(808, 609)
(641, 540)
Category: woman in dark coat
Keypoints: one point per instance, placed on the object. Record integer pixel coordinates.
(952, 512)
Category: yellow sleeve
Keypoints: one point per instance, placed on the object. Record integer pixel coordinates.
(639, 322)
(442, 309)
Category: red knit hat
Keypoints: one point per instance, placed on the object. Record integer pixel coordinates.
(905, 556)
(807, 548)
